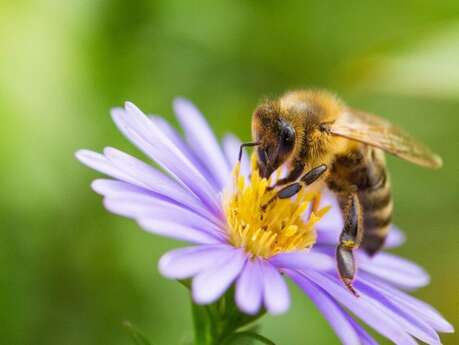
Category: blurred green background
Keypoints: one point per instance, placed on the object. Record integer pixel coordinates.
(71, 273)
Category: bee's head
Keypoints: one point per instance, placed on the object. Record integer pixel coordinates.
(274, 135)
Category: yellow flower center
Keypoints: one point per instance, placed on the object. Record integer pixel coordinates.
(265, 225)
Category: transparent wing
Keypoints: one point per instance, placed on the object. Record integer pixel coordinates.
(378, 132)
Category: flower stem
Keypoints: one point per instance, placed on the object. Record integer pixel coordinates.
(202, 324)
(250, 335)
(222, 323)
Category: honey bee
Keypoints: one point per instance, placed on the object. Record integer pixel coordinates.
(319, 137)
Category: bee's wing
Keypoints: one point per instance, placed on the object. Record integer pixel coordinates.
(378, 132)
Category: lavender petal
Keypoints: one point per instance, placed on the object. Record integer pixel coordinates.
(177, 231)
(149, 177)
(249, 288)
(162, 210)
(211, 284)
(332, 312)
(137, 201)
(303, 260)
(395, 238)
(146, 175)
(132, 171)
(148, 137)
(363, 307)
(202, 140)
(413, 324)
(275, 292)
(327, 238)
(418, 307)
(100, 163)
(178, 141)
(394, 269)
(187, 262)
(116, 188)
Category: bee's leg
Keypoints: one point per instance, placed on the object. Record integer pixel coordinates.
(350, 239)
(309, 178)
(294, 188)
(293, 175)
(284, 193)
(289, 191)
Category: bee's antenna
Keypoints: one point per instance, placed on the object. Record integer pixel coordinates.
(256, 143)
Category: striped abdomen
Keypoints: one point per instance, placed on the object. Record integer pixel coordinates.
(377, 207)
(363, 171)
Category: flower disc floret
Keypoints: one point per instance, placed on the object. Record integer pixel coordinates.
(265, 225)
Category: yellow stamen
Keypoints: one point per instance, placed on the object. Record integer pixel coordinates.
(264, 225)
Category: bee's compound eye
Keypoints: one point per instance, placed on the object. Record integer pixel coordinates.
(287, 135)
(287, 140)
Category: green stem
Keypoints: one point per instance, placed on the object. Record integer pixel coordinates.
(248, 334)
(202, 324)
(220, 322)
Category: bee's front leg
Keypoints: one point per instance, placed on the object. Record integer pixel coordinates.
(293, 175)
(350, 239)
(309, 178)
(294, 188)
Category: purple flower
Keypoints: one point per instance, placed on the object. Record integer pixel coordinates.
(205, 197)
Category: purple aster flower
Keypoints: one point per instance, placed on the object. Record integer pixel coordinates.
(239, 238)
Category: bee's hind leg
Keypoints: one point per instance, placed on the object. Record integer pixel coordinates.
(349, 240)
